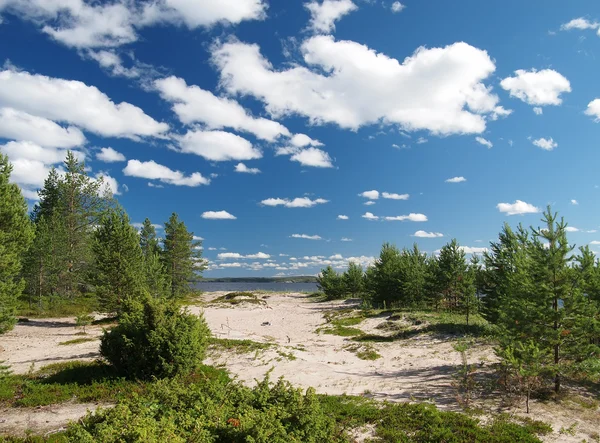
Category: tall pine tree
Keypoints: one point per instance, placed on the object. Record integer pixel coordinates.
(118, 270)
(16, 234)
(181, 256)
(155, 274)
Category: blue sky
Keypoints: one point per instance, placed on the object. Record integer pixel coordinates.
(260, 123)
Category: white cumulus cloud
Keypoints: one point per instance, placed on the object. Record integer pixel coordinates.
(306, 237)
(342, 217)
(240, 167)
(537, 87)
(218, 215)
(593, 109)
(547, 144)
(423, 234)
(436, 89)
(397, 7)
(371, 195)
(154, 171)
(370, 216)
(410, 217)
(324, 14)
(313, 157)
(76, 103)
(298, 202)
(217, 146)
(517, 208)
(482, 141)
(456, 180)
(392, 196)
(109, 155)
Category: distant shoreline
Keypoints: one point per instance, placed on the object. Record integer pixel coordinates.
(298, 279)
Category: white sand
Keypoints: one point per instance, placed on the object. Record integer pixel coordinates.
(418, 368)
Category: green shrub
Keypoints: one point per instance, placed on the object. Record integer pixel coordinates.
(218, 411)
(155, 339)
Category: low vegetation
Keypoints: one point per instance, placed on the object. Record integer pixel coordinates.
(77, 341)
(237, 298)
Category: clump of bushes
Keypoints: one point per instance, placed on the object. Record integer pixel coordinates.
(236, 298)
(155, 338)
(217, 411)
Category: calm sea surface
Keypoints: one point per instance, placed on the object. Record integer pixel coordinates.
(274, 287)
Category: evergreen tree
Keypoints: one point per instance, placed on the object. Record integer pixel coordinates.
(546, 302)
(387, 273)
(119, 268)
(83, 201)
(500, 267)
(353, 279)
(452, 271)
(49, 197)
(16, 234)
(331, 283)
(181, 256)
(154, 269)
(45, 260)
(148, 239)
(415, 273)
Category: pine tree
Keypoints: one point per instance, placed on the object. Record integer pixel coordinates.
(83, 201)
(45, 260)
(353, 279)
(331, 283)
(181, 256)
(148, 239)
(16, 234)
(49, 197)
(452, 271)
(415, 273)
(386, 275)
(546, 302)
(118, 268)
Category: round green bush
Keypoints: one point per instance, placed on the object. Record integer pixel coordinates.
(155, 338)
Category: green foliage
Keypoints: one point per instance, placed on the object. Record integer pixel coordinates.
(77, 341)
(219, 411)
(181, 256)
(236, 298)
(155, 275)
(155, 338)
(118, 266)
(16, 235)
(331, 283)
(545, 302)
(238, 346)
(83, 320)
(353, 279)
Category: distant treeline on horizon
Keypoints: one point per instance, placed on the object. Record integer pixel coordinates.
(299, 279)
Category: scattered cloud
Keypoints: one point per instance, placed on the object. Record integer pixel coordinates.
(456, 180)
(423, 234)
(109, 155)
(392, 196)
(342, 217)
(593, 109)
(418, 93)
(370, 216)
(482, 141)
(218, 215)
(538, 111)
(346, 239)
(371, 195)
(193, 104)
(235, 255)
(545, 144)
(240, 167)
(581, 23)
(369, 203)
(306, 237)
(574, 202)
(397, 7)
(537, 87)
(517, 208)
(154, 171)
(217, 146)
(313, 157)
(21, 126)
(299, 202)
(75, 103)
(79, 24)
(410, 217)
(326, 13)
